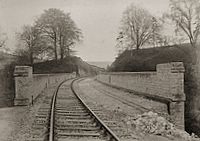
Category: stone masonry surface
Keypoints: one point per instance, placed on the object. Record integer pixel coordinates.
(27, 88)
(166, 83)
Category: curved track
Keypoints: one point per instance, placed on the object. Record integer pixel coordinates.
(71, 117)
(121, 99)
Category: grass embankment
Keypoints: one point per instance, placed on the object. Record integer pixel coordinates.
(67, 65)
(147, 59)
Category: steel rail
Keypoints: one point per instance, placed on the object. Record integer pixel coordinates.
(52, 112)
(97, 119)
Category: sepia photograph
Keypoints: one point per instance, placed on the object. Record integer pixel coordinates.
(100, 70)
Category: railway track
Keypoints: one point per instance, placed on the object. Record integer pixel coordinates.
(65, 115)
(71, 118)
(129, 102)
(121, 99)
(111, 119)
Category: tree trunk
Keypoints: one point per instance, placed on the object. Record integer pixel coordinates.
(30, 53)
(31, 58)
(61, 48)
(61, 54)
(194, 54)
(68, 51)
(137, 47)
(131, 52)
(55, 47)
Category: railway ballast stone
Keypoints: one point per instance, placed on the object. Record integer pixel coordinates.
(150, 122)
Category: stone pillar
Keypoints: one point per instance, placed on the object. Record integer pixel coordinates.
(23, 76)
(174, 72)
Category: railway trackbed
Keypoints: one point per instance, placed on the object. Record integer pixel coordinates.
(70, 118)
(123, 100)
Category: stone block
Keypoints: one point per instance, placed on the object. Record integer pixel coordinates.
(177, 114)
(23, 71)
(173, 67)
(21, 102)
(28, 87)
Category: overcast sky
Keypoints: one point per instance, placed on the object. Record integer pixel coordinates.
(99, 21)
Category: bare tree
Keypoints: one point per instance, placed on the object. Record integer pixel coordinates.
(3, 39)
(33, 42)
(60, 28)
(47, 23)
(186, 16)
(2, 42)
(121, 43)
(139, 26)
(69, 36)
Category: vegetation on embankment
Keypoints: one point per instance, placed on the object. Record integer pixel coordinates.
(66, 65)
(147, 59)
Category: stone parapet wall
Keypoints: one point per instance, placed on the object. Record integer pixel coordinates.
(28, 88)
(166, 84)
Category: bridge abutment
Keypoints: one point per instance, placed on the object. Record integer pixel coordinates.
(166, 85)
(28, 85)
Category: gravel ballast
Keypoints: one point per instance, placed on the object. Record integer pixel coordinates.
(137, 121)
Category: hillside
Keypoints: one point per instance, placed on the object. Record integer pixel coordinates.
(147, 59)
